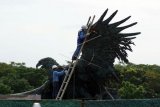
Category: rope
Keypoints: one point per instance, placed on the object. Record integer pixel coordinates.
(91, 58)
(90, 39)
(91, 63)
(100, 88)
(90, 73)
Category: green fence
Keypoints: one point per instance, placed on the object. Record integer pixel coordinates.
(79, 103)
(16, 103)
(124, 103)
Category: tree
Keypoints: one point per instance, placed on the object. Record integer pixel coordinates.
(15, 77)
(5, 89)
(131, 91)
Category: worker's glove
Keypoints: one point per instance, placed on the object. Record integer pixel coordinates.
(87, 34)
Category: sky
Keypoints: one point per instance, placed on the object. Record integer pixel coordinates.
(34, 29)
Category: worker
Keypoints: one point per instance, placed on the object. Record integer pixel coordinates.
(80, 40)
(58, 74)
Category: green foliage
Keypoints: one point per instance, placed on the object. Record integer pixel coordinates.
(131, 91)
(5, 89)
(15, 78)
(139, 81)
(17, 84)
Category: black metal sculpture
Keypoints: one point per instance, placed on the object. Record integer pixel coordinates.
(103, 45)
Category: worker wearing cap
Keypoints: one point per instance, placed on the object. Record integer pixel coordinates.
(58, 73)
(80, 40)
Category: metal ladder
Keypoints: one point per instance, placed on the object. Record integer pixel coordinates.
(71, 68)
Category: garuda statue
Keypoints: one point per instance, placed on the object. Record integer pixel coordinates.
(103, 45)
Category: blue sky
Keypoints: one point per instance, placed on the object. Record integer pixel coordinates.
(34, 29)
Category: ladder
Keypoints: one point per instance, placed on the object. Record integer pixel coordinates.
(72, 67)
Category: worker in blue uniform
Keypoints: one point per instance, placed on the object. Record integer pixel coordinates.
(58, 74)
(80, 40)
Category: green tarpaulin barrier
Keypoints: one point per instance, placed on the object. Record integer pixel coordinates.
(80, 103)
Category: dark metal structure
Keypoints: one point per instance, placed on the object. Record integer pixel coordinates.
(103, 45)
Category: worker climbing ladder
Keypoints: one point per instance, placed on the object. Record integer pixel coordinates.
(72, 67)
